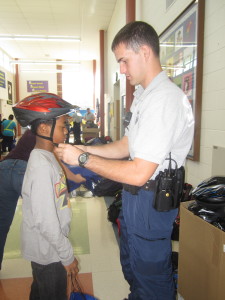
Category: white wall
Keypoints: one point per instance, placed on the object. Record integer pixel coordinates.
(78, 85)
(118, 20)
(155, 13)
(77, 82)
(36, 76)
(213, 99)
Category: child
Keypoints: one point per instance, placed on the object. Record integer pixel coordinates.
(46, 207)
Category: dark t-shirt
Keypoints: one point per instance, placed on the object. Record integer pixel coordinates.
(24, 147)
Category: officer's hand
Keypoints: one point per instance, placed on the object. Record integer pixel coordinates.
(68, 154)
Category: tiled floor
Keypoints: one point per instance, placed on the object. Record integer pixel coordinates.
(95, 246)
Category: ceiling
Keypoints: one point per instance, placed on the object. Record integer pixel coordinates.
(82, 18)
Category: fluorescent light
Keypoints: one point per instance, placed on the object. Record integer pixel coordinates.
(45, 62)
(173, 67)
(183, 45)
(45, 71)
(45, 38)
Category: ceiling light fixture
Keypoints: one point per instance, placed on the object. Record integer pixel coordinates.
(173, 67)
(46, 71)
(183, 45)
(45, 38)
(45, 62)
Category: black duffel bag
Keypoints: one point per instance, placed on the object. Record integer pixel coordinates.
(107, 187)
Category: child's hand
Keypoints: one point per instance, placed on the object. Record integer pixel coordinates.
(72, 269)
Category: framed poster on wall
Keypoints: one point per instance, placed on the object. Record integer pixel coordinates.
(10, 91)
(181, 55)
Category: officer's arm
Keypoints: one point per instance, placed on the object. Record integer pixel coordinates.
(116, 150)
(106, 160)
(136, 172)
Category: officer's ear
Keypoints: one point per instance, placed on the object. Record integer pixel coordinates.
(146, 51)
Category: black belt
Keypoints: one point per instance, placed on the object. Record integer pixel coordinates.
(149, 186)
(133, 189)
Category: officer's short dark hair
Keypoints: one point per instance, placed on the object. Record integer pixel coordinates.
(135, 34)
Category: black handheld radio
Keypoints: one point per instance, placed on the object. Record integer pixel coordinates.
(169, 187)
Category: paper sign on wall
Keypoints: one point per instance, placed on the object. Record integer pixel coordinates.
(2, 79)
(37, 86)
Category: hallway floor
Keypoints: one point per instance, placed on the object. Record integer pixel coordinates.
(95, 246)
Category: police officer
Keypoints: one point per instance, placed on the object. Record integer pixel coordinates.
(161, 126)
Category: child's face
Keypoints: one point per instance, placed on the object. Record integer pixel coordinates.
(60, 130)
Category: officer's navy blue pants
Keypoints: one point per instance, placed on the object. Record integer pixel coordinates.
(145, 248)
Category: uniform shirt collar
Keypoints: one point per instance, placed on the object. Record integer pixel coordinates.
(154, 83)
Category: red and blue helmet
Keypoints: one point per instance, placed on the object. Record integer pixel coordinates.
(44, 106)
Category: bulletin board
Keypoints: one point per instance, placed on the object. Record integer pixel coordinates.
(181, 55)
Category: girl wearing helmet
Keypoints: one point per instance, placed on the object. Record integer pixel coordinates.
(46, 204)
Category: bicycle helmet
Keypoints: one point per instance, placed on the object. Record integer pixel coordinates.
(215, 217)
(45, 106)
(41, 107)
(212, 181)
(210, 192)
